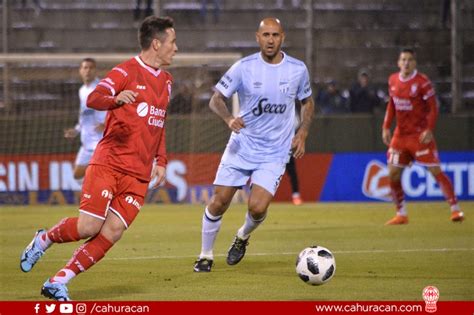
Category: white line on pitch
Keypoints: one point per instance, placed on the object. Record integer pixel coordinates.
(363, 251)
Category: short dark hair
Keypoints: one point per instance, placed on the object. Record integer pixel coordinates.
(91, 60)
(153, 27)
(408, 50)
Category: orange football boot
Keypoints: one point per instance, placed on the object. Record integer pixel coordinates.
(457, 216)
(396, 220)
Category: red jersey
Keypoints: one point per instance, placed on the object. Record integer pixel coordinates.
(134, 133)
(413, 102)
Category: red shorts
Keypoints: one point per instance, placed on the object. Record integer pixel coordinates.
(404, 150)
(106, 189)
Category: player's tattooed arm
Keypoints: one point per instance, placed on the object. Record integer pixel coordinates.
(158, 172)
(386, 136)
(299, 141)
(218, 106)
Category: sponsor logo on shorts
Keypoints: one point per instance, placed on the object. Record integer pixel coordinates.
(106, 194)
(422, 152)
(133, 201)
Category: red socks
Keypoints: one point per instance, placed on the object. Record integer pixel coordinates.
(89, 254)
(447, 188)
(398, 195)
(65, 231)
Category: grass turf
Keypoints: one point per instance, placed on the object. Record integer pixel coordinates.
(154, 259)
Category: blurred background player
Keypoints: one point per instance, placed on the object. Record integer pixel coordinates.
(364, 97)
(263, 135)
(413, 103)
(331, 101)
(131, 153)
(91, 122)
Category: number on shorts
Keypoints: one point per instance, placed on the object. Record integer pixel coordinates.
(394, 157)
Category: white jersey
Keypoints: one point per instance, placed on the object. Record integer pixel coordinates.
(89, 118)
(267, 94)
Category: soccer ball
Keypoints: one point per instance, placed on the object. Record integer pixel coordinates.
(315, 265)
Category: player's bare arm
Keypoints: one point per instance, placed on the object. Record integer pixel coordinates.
(218, 106)
(386, 136)
(100, 128)
(125, 97)
(426, 136)
(159, 173)
(70, 133)
(299, 141)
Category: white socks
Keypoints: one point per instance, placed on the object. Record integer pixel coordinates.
(210, 227)
(249, 226)
(403, 209)
(45, 243)
(63, 276)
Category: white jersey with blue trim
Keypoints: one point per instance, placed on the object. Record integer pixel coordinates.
(267, 94)
(89, 118)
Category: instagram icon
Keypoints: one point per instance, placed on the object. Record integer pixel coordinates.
(81, 308)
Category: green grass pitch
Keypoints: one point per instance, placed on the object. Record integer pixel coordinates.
(154, 259)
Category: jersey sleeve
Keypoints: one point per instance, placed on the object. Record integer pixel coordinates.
(390, 111)
(389, 114)
(304, 87)
(161, 158)
(103, 96)
(429, 96)
(231, 80)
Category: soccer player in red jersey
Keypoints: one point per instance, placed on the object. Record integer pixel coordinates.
(136, 94)
(413, 103)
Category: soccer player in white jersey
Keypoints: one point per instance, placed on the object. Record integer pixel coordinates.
(263, 135)
(91, 122)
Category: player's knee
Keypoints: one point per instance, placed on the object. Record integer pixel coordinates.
(218, 205)
(88, 230)
(88, 226)
(435, 170)
(394, 174)
(113, 232)
(257, 210)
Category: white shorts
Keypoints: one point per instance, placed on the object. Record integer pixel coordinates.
(83, 156)
(233, 171)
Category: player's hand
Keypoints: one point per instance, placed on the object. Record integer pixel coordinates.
(70, 133)
(158, 172)
(235, 124)
(386, 136)
(426, 136)
(298, 144)
(125, 97)
(100, 128)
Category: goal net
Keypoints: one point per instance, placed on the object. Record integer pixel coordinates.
(39, 100)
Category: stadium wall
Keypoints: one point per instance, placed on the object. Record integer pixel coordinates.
(47, 178)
